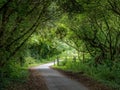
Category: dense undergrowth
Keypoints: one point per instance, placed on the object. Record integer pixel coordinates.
(103, 73)
(33, 31)
(15, 73)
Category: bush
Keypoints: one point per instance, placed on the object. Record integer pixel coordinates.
(102, 73)
(12, 72)
(29, 61)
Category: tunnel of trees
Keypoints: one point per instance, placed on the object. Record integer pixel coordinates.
(39, 29)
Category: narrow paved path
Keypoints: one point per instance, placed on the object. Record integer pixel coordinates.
(57, 81)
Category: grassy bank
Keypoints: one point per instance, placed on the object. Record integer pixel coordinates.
(15, 74)
(101, 73)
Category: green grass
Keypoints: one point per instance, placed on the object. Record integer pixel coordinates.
(19, 74)
(101, 73)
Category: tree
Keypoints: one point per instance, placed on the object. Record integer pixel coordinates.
(96, 26)
(19, 20)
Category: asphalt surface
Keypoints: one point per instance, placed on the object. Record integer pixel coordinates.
(56, 81)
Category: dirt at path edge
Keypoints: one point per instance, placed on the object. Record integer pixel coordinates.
(35, 82)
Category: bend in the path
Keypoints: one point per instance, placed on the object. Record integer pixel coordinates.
(57, 81)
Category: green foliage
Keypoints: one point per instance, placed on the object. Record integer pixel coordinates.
(101, 73)
(29, 61)
(33, 31)
(95, 31)
(19, 20)
(70, 6)
(12, 73)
